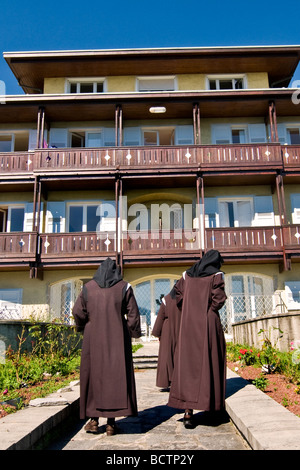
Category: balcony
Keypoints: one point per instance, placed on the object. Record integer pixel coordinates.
(18, 247)
(70, 247)
(173, 246)
(195, 157)
(245, 241)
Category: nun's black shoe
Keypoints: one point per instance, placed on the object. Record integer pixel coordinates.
(188, 421)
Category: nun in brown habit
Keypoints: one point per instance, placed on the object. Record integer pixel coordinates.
(166, 328)
(107, 313)
(199, 375)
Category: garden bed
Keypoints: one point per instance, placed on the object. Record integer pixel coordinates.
(279, 387)
(38, 390)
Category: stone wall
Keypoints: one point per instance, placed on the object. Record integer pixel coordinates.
(246, 332)
(12, 330)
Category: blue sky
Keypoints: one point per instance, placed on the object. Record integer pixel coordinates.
(59, 25)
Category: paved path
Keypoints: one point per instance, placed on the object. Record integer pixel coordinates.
(157, 427)
(264, 423)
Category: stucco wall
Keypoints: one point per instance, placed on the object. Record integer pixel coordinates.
(128, 83)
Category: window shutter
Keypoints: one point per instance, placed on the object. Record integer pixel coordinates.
(58, 138)
(211, 210)
(93, 139)
(107, 212)
(109, 139)
(257, 133)
(295, 202)
(132, 136)
(264, 212)
(184, 135)
(221, 134)
(28, 217)
(32, 139)
(55, 217)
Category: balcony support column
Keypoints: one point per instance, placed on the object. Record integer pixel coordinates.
(118, 241)
(121, 223)
(201, 214)
(273, 122)
(40, 128)
(118, 125)
(283, 219)
(196, 124)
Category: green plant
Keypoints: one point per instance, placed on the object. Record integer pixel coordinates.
(268, 356)
(261, 383)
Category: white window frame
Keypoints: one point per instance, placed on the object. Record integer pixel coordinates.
(79, 80)
(240, 128)
(150, 130)
(155, 78)
(9, 209)
(287, 129)
(235, 200)
(85, 205)
(231, 77)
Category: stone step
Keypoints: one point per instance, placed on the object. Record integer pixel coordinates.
(145, 362)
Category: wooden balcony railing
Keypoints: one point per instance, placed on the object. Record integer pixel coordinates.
(70, 245)
(151, 157)
(205, 156)
(291, 237)
(17, 162)
(245, 239)
(20, 246)
(160, 241)
(291, 156)
(239, 241)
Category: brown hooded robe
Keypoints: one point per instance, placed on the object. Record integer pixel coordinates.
(107, 383)
(166, 328)
(199, 376)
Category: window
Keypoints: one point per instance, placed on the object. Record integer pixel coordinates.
(62, 298)
(225, 82)
(11, 303)
(292, 291)
(15, 219)
(85, 85)
(149, 295)
(158, 136)
(294, 135)
(295, 202)
(238, 134)
(84, 218)
(145, 84)
(6, 142)
(91, 217)
(236, 213)
(248, 296)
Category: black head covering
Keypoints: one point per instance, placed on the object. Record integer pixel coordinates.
(209, 264)
(108, 273)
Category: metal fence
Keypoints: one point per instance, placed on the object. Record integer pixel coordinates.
(239, 307)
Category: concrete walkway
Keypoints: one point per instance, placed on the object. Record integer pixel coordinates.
(262, 423)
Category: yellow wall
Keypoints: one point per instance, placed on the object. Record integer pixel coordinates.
(128, 83)
(54, 85)
(36, 292)
(257, 80)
